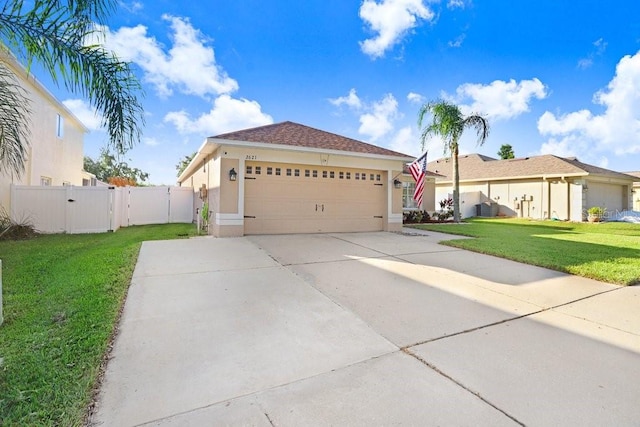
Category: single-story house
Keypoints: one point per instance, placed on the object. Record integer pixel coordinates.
(55, 155)
(291, 178)
(539, 187)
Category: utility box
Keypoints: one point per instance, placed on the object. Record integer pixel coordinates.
(487, 209)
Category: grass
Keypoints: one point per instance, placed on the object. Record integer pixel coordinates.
(609, 251)
(62, 296)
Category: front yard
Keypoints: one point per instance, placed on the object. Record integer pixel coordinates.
(62, 296)
(609, 251)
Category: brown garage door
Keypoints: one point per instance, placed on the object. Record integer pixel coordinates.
(286, 198)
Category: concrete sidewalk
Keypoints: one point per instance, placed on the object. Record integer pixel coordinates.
(366, 329)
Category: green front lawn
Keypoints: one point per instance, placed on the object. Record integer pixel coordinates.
(604, 251)
(62, 295)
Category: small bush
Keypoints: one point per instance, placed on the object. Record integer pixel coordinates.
(15, 230)
(596, 211)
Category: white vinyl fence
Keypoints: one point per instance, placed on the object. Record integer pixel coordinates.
(74, 210)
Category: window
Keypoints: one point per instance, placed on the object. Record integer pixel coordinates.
(315, 174)
(371, 177)
(59, 126)
(45, 180)
(341, 175)
(348, 175)
(66, 183)
(269, 170)
(378, 177)
(249, 170)
(364, 177)
(407, 195)
(307, 173)
(332, 174)
(288, 172)
(324, 174)
(357, 175)
(296, 172)
(85, 182)
(278, 171)
(258, 170)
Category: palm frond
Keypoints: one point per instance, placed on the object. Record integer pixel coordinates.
(54, 34)
(14, 124)
(480, 124)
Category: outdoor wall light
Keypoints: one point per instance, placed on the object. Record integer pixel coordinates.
(233, 175)
(397, 183)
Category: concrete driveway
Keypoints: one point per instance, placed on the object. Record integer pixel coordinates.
(366, 329)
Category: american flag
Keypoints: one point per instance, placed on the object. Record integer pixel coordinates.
(418, 171)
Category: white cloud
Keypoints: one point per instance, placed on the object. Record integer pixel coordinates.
(379, 120)
(453, 4)
(352, 100)
(599, 48)
(133, 7)
(88, 115)
(499, 99)
(458, 41)
(391, 20)
(189, 66)
(228, 114)
(617, 129)
(406, 141)
(415, 98)
(150, 141)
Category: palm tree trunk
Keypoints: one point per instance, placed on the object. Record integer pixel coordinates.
(456, 183)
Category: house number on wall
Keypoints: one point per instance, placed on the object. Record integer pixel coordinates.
(251, 157)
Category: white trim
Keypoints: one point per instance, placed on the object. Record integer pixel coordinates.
(395, 219)
(229, 219)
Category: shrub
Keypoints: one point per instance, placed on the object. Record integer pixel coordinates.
(15, 230)
(596, 211)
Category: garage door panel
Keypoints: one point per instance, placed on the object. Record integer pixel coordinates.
(290, 204)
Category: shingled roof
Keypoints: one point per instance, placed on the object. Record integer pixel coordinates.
(294, 134)
(476, 167)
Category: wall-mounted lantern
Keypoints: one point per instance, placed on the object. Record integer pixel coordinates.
(233, 175)
(397, 183)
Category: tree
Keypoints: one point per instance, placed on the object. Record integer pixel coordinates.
(449, 123)
(56, 34)
(183, 163)
(506, 152)
(111, 169)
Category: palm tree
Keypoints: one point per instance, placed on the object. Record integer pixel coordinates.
(449, 123)
(55, 34)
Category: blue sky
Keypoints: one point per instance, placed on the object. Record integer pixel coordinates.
(551, 76)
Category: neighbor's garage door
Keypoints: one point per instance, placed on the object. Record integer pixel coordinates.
(283, 198)
(613, 197)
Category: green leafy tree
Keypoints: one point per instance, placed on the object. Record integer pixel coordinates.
(506, 152)
(184, 162)
(449, 123)
(56, 34)
(108, 166)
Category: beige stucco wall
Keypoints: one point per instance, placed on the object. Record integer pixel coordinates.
(564, 199)
(60, 159)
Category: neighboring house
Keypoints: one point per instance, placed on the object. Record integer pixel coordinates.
(636, 190)
(291, 178)
(55, 154)
(540, 187)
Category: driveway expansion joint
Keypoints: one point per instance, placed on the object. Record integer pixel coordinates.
(461, 385)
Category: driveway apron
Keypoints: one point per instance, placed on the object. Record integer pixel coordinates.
(366, 329)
